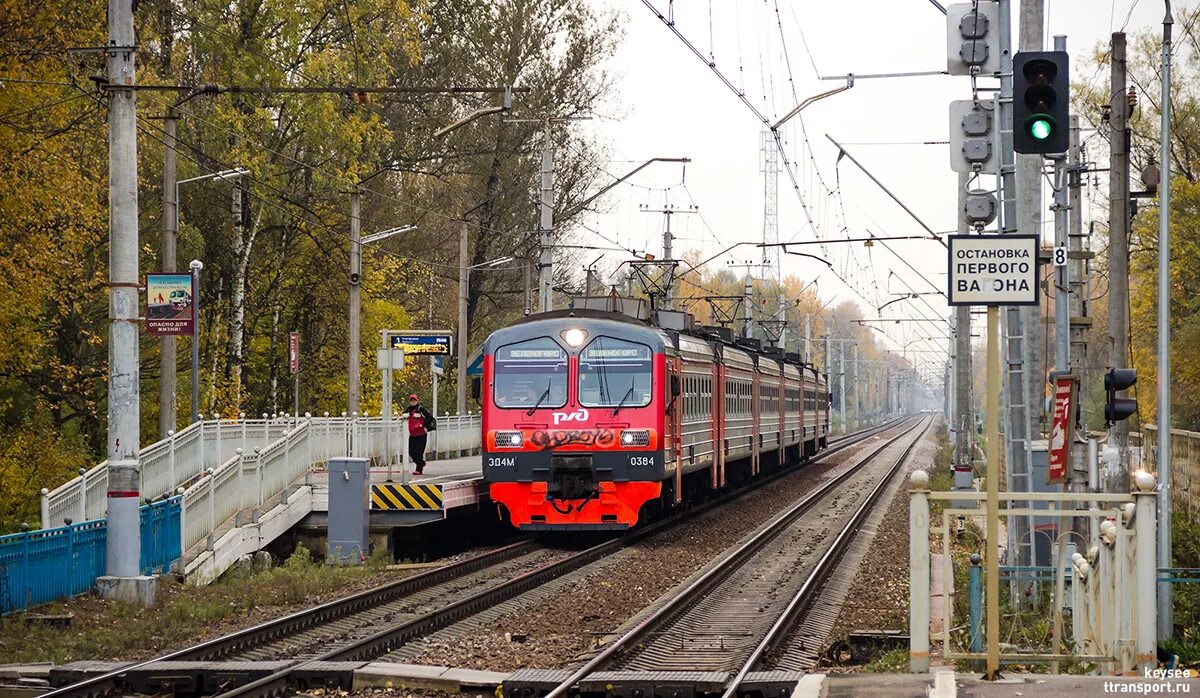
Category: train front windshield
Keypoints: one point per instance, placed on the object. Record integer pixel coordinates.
(530, 374)
(614, 372)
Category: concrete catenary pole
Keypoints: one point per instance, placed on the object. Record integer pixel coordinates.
(124, 406)
(1166, 616)
(546, 228)
(1117, 478)
(668, 257)
(748, 305)
(808, 338)
(463, 290)
(842, 384)
(857, 388)
(354, 330)
(1077, 353)
(167, 382)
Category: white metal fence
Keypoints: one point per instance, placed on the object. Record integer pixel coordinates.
(273, 453)
(1185, 469)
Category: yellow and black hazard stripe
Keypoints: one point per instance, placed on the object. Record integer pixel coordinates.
(414, 497)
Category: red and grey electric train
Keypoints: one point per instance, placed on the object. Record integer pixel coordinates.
(589, 416)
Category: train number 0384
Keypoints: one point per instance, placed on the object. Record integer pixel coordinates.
(641, 460)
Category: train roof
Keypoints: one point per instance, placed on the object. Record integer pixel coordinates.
(596, 322)
(720, 340)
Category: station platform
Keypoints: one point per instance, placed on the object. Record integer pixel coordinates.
(450, 486)
(399, 497)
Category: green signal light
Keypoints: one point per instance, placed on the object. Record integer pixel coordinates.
(1040, 129)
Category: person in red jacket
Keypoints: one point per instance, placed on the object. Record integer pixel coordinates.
(420, 423)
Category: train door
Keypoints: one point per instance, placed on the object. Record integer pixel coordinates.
(672, 421)
(718, 424)
(756, 419)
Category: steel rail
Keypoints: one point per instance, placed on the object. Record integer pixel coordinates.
(812, 584)
(246, 638)
(715, 574)
(382, 642)
(224, 646)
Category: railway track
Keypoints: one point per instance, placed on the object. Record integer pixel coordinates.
(310, 647)
(722, 627)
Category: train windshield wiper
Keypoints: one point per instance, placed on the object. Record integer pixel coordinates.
(621, 404)
(539, 400)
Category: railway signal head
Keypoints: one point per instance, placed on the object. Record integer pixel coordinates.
(971, 136)
(1041, 102)
(1118, 409)
(972, 38)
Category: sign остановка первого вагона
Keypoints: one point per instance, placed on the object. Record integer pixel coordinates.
(993, 269)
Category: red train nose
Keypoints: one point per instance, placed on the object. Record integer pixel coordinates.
(615, 506)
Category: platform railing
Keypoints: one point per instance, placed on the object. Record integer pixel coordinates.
(251, 479)
(1185, 468)
(184, 458)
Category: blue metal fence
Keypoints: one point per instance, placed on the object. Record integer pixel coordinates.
(55, 563)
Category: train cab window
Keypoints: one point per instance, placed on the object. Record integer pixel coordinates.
(614, 372)
(530, 373)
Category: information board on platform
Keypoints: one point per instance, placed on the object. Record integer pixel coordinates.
(993, 269)
(421, 343)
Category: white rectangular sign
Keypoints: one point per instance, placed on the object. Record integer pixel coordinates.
(393, 359)
(993, 269)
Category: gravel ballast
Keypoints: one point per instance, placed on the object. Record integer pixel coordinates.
(560, 621)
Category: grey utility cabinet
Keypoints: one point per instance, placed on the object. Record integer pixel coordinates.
(349, 510)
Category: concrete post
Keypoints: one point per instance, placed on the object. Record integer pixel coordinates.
(857, 391)
(124, 403)
(1145, 572)
(1117, 477)
(918, 566)
(546, 228)
(842, 384)
(167, 344)
(463, 290)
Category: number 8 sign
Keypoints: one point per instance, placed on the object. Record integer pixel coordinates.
(1060, 256)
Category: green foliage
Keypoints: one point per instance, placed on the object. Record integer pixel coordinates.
(286, 269)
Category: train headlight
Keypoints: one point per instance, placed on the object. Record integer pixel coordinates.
(509, 439)
(635, 437)
(574, 336)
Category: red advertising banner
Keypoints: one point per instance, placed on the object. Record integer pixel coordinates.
(294, 351)
(1062, 430)
(169, 308)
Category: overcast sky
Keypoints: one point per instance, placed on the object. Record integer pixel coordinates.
(672, 105)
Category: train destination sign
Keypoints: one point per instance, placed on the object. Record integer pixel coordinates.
(993, 269)
(421, 343)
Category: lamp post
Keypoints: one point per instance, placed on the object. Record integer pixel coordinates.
(166, 385)
(195, 266)
(1166, 622)
(463, 277)
(355, 318)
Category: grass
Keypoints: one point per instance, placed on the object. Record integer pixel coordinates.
(890, 662)
(102, 629)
